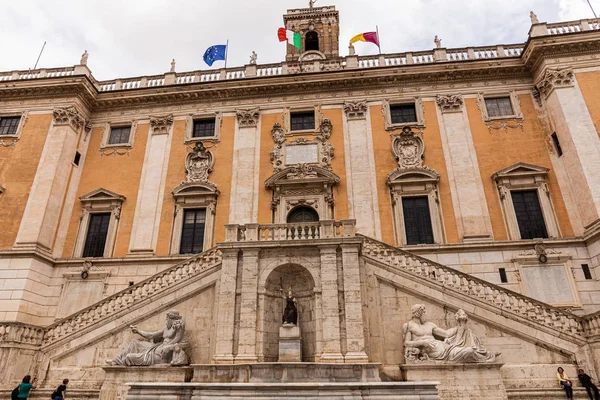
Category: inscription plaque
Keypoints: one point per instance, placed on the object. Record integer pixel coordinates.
(549, 284)
(302, 154)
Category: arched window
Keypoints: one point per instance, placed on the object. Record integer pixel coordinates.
(311, 41)
(303, 214)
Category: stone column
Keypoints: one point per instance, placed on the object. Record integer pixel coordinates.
(468, 197)
(41, 216)
(146, 219)
(248, 307)
(578, 139)
(355, 336)
(226, 307)
(363, 200)
(246, 159)
(330, 325)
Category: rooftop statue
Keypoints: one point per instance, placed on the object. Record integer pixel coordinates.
(311, 3)
(167, 346)
(534, 18)
(253, 57)
(458, 344)
(437, 41)
(84, 58)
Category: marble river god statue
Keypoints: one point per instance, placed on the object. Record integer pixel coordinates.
(426, 342)
(167, 346)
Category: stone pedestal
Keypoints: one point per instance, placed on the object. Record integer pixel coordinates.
(460, 381)
(290, 343)
(114, 386)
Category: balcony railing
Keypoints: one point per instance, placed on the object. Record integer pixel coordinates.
(301, 231)
(351, 62)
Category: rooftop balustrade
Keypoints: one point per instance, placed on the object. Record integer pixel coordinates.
(351, 62)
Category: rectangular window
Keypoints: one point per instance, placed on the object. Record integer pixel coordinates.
(204, 127)
(417, 220)
(586, 271)
(529, 214)
(192, 233)
(557, 144)
(503, 277)
(95, 239)
(402, 114)
(119, 134)
(77, 158)
(9, 125)
(303, 121)
(499, 107)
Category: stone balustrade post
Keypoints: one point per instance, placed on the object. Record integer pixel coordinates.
(43, 73)
(250, 70)
(500, 51)
(252, 232)
(351, 62)
(470, 53)
(584, 25)
(440, 55)
(82, 70)
(284, 68)
(16, 75)
(348, 227)
(231, 232)
(381, 60)
(226, 294)
(144, 82)
(118, 84)
(538, 30)
(327, 229)
(223, 74)
(170, 78)
(409, 58)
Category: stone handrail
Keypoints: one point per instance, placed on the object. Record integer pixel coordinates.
(562, 28)
(16, 332)
(124, 299)
(37, 73)
(300, 231)
(496, 296)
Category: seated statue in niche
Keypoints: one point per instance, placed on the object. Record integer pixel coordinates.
(290, 314)
(167, 346)
(457, 345)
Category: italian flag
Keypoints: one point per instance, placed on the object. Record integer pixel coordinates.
(293, 38)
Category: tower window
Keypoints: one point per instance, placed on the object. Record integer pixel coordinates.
(311, 41)
(95, 240)
(417, 220)
(403, 113)
(529, 214)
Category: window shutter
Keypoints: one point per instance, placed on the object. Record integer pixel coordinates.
(529, 214)
(95, 240)
(417, 220)
(192, 233)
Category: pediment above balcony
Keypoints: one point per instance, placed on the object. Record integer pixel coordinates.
(302, 174)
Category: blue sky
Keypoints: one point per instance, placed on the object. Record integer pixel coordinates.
(140, 37)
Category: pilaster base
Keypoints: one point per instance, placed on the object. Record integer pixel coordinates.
(356, 357)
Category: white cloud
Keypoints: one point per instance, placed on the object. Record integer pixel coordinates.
(140, 37)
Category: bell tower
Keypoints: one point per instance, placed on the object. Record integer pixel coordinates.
(320, 31)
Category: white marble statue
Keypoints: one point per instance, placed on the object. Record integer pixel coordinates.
(534, 18)
(311, 3)
(438, 42)
(84, 58)
(166, 346)
(253, 57)
(425, 341)
(172, 66)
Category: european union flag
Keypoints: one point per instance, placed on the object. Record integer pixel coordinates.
(215, 53)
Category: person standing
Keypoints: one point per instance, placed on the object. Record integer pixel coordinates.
(61, 392)
(565, 382)
(26, 386)
(586, 381)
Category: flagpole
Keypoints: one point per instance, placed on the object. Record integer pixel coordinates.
(226, 52)
(378, 41)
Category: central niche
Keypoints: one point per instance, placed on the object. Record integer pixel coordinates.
(303, 288)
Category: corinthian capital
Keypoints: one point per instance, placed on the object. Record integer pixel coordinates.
(553, 79)
(161, 125)
(356, 109)
(450, 103)
(248, 118)
(69, 116)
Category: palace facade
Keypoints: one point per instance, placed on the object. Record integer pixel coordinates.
(456, 178)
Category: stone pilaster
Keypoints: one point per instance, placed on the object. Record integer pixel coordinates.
(470, 206)
(146, 219)
(331, 346)
(578, 138)
(248, 307)
(42, 213)
(246, 159)
(226, 307)
(363, 200)
(355, 336)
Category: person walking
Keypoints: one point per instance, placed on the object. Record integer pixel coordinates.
(586, 381)
(565, 382)
(61, 392)
(22, 391)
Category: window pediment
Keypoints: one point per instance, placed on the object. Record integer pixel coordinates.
(302, 173)
(100, 195)
(416, 174)
(521, 169)
(195, 189)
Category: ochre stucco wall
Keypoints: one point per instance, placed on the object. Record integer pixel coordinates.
(220, 175)
(265, 214)
(385, 163)
(118, 173)
(589, 83)
(338, 164)
(18, 167)
(499, 149)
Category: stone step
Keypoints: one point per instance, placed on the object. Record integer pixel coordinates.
(545, 394)
(271, 391)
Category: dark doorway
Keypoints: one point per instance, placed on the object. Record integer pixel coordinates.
(311, 41)
(303, 214)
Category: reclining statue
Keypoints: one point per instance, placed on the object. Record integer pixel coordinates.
(167, 346)
(459, 344)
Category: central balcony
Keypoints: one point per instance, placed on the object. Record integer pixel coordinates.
(296, 232)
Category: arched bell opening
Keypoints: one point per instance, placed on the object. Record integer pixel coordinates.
(303, 289)
(311, 42)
